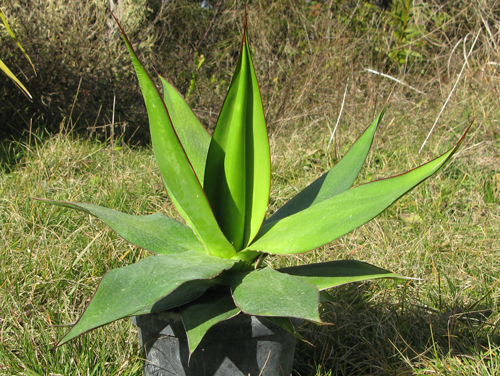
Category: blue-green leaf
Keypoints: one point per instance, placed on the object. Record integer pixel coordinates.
(335, 273)
(184, 294)
(267, 292)
(238, 170)
(156, 233)
(286, 323)
(121, 292)
(199, 316)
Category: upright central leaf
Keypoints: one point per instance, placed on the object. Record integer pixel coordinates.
(238, 169)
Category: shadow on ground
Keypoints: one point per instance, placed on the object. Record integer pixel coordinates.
(383, 337)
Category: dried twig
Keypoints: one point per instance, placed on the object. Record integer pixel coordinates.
(217, 7)
(394, 79)
(338, 120)
(453, 89)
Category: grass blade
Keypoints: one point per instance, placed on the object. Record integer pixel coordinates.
(13, 77)
(13, 36)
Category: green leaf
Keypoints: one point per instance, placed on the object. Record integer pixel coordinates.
(339, 179)
(267, 292)
(285, 323)
(192, 135)
(5, 68)
(199, 316)
(336, 216)
(335, 273)
(13, 77)
(121, 292)
(13, 36)
(325, 297)
(175, 168)
(156, 232)
(238, 170)
(184, 294)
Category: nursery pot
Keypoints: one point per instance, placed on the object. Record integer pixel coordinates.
(241, 346)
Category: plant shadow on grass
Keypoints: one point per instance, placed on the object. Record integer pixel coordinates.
(382, 336)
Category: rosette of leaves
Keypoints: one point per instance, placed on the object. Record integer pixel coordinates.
(210, 269)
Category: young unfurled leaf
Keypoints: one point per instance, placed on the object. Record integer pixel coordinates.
(238, 172)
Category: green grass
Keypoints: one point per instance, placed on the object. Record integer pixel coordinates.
(444, 232)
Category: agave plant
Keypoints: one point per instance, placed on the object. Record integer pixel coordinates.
(210, 267)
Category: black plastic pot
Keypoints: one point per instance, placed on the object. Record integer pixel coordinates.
(241, 346)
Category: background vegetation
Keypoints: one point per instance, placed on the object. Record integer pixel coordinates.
(83, 137)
